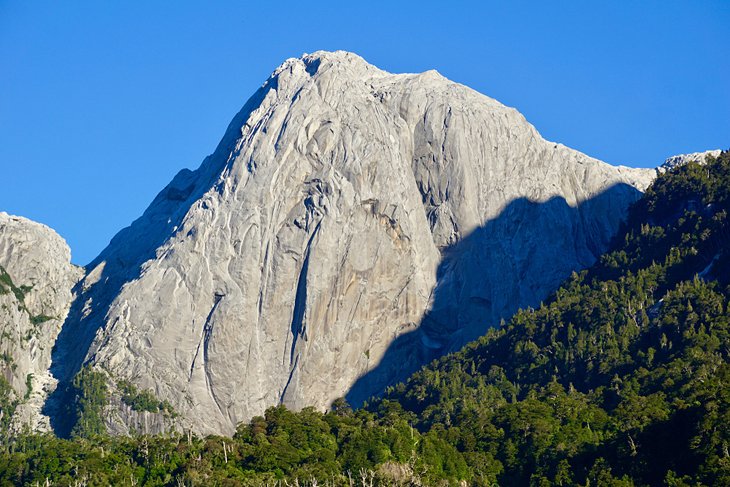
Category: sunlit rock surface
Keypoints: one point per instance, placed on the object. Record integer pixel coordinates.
(351, 225)
(36, 278)
(682, 159)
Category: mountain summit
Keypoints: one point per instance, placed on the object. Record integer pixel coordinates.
(351, 225)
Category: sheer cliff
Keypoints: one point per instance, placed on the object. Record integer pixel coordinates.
(36, 278)
(351, 225)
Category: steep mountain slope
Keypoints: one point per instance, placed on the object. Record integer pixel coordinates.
(36, 277)
(619, 379)
(351, 225)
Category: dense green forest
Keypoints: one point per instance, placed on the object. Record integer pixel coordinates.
(621, 378)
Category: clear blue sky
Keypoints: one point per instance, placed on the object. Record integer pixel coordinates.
(102, 102)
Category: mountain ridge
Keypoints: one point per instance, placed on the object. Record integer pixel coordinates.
(312, 238)
(329, 150)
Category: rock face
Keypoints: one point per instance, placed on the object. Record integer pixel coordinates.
(682, 159)
(351, 224)
(36, 278)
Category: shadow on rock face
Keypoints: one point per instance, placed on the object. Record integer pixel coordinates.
(512, 261)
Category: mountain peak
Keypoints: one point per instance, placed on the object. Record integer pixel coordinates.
(310, 64)
(351, 225)
(339, 56)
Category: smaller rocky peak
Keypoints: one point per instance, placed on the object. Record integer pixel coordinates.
(32, 252)
(682, 159)
(433, 74)
(36, 282)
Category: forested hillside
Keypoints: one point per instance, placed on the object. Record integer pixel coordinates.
(620, 378)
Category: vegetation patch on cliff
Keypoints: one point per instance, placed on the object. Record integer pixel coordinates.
(143, 400)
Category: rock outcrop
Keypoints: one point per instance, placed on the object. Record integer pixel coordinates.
(350, 225)
(36, 278)
(682, 159)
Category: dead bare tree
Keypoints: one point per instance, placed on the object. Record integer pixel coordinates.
(367, 477)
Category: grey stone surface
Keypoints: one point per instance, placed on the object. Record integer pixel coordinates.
(351, 224)
(682, 159)
(33, 306)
